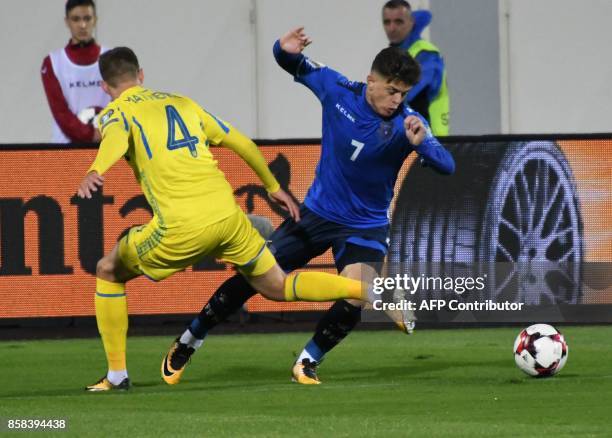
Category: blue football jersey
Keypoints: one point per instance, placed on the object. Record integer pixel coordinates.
(361, 151)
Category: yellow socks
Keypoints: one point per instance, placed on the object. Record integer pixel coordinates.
(320, 286)
(112, 318)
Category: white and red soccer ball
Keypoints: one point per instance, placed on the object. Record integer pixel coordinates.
(540, 350)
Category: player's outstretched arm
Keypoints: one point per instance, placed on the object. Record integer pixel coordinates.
(288, 50)
(314, 75)
(430, 150)
(250, 153)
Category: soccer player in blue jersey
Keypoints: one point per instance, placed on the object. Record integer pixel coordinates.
(367, 134)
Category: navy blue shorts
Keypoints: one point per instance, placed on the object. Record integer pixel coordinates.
(294, 244)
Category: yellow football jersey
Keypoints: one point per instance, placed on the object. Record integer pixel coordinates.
(166, 137)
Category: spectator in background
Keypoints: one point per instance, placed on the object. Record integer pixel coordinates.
(71, 78)
(430, 95)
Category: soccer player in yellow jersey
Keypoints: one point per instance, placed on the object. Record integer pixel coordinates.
(166, 139)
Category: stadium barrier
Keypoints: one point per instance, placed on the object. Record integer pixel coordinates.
(50, 240)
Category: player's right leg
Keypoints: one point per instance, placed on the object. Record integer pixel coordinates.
(112, 318)
(148, 250)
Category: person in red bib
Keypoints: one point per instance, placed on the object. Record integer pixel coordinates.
(71, 78)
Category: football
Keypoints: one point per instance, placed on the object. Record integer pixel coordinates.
(540, 350)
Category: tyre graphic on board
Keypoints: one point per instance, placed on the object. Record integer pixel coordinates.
(507, 205)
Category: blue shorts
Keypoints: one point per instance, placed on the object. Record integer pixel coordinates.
(294, 244)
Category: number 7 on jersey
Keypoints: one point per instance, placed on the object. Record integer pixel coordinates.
(358, 147)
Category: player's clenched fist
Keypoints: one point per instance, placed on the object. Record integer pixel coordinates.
(415, 130)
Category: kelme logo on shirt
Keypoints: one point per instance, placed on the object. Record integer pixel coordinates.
(345, 113)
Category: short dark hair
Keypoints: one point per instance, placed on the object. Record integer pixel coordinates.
(394, 4)
(118, 63)
(71, 4)
(394, 63)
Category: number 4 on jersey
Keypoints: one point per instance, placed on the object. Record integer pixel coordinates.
(188, 141)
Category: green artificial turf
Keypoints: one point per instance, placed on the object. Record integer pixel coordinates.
(434, 383)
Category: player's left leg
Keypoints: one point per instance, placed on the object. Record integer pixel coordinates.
(358, 262)
(227, 299)
(293, 247)
(246, 249)
(342, 317)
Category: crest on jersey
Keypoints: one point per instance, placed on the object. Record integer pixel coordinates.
(385, 129)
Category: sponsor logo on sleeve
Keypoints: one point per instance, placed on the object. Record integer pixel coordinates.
(107, 118)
